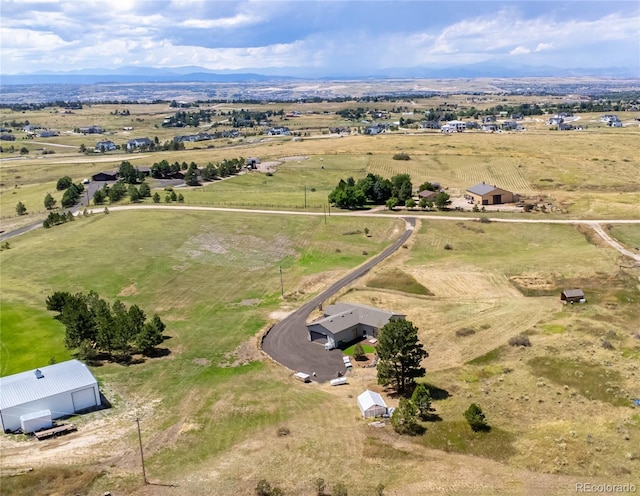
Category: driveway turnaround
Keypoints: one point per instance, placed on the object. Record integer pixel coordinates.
(287, 341)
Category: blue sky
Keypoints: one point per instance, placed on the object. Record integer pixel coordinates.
(316, 37)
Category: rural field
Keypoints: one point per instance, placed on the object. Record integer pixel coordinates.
(217, 415)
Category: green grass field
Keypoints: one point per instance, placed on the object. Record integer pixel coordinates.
(31, 338)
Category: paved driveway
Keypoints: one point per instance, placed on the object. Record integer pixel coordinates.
(287, 341)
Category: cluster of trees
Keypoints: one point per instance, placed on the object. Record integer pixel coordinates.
(182, 118)
(119, 190)
(372, 189)
(400, 357)
(210, 172)
(21, 208)
(71, 194)
(171, 196)
(56, 218)
(92, 324)
(248, 118)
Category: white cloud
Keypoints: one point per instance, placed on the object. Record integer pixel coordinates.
(519, 50)
(542, 47)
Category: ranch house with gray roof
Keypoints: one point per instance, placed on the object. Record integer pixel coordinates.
(345, 322)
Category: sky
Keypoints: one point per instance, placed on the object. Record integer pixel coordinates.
(318, 38)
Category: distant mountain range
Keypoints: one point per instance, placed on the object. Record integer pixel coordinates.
(132, 74)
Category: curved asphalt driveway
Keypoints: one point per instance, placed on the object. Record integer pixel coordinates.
(287, 341)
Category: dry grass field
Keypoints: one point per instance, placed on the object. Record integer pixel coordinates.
(217, 415)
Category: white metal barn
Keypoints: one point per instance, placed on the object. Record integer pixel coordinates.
(371, 404)
(63, 389)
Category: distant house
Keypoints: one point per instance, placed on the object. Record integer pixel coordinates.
(91, 130)
(563, 126)
(50, 392)
(454, 127)
(138, 142)
(490, 128)
(279, 131)
(105, 146)
(614, 123)
(517, 117)
(49, 133)
(105, 176)
(487, 194)
(572, 296)
(607, 118)
(428, 194)
(346, 322)
(555, 120)
(510, 126)
(371, 404)
(488, 118)
(430, 125)
(375, 129)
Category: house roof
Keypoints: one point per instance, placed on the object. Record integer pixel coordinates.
(368, 399)
(573, 293)
(482, 189)
(26, 387)
(344, 315)
(427, 193)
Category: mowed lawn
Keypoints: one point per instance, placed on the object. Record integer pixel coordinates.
(29, 338)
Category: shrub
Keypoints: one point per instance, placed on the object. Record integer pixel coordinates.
(465, 332)
(607, 345)
(358, 352)
(448, 247)
(476, 419)
(401, 156)
(520, 340)
(485, 220)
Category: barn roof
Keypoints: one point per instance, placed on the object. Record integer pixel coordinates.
(25, 387)
(482, 189)
(368, 399)
(573, 293)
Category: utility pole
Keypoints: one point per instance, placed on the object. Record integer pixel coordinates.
(305, 196)
(324, 211)
(281, 283)
(144, 473)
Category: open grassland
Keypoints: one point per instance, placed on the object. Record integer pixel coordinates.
(627, 235)
(217, 416)
(208, 407)
(591, 173)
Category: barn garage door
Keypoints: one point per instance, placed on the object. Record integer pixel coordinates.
(85, 398)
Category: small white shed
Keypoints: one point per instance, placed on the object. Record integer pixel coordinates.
(63, 388)
(371, 404)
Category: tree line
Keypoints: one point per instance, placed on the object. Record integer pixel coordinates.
(93, 325)
(377, 190)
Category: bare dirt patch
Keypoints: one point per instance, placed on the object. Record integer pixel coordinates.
(237, 250)
(246, 353)
(130, 290)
